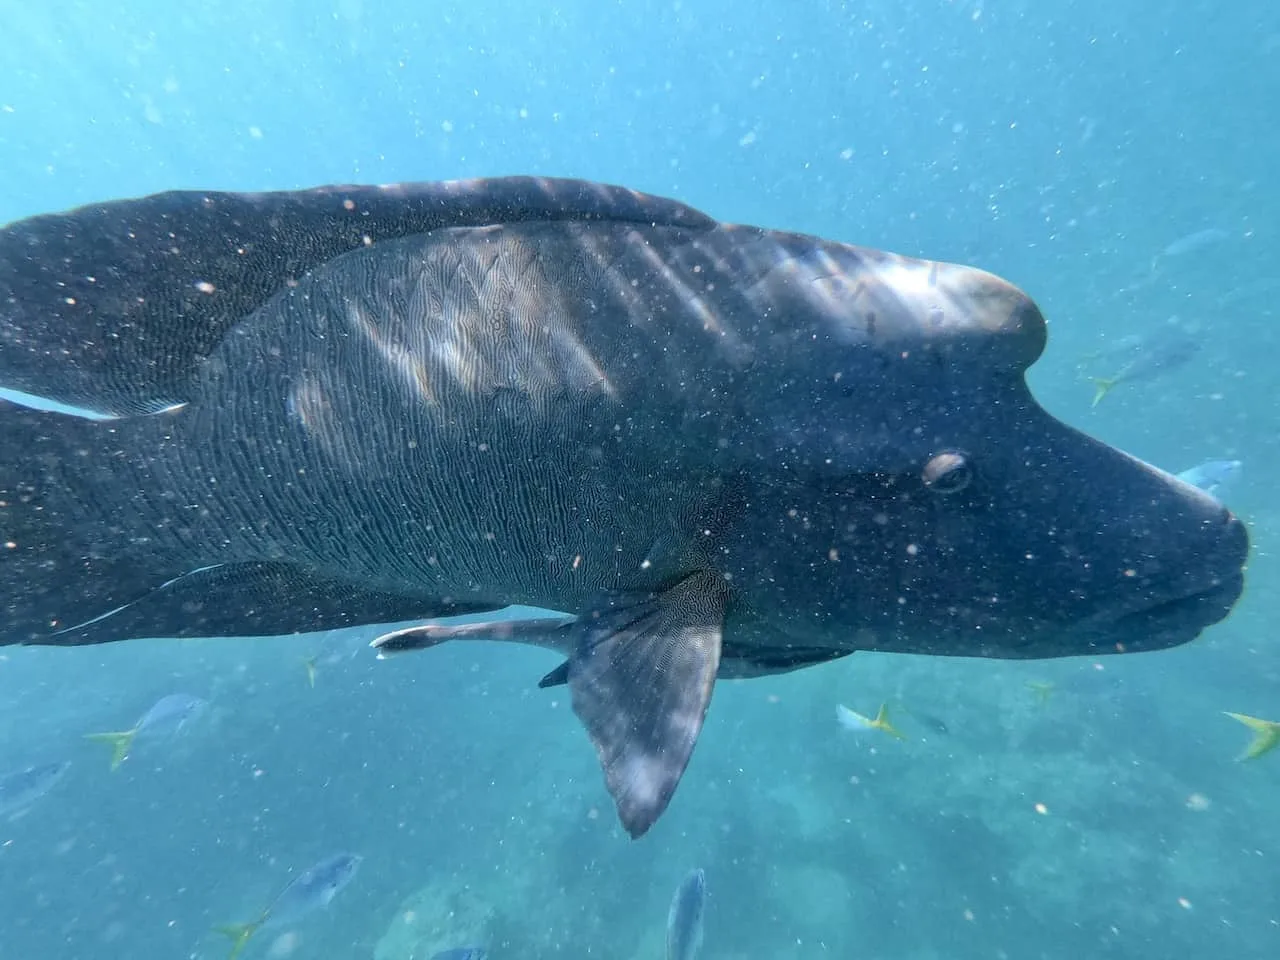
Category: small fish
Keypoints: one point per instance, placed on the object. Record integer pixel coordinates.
(1193, 242)
(1149, 357)
(167, 717)
(1043, 689)
(1212, 476)
(22, 788)
(1266, 735)
(335, 647)
(462, 953)
(311, 890)
(856, 722)
(684, 919)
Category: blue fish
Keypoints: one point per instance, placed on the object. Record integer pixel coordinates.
(684, 919)
(311, 890)
(22, 788)
(1213, 476)
(167, 717)
(1148, 356)
(1195, 241)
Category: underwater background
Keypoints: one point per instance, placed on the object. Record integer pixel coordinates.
(1116, 160)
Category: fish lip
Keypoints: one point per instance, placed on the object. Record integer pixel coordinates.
(1176, 620)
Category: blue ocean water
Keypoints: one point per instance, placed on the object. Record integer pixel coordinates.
(1077, 149)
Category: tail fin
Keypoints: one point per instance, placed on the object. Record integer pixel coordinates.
(881, 722)
(1101, 387)
(239, 934)
(1043, 689)
(1266, 735)
(120, 742)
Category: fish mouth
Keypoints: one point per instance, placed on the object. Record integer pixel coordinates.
(1176, 621)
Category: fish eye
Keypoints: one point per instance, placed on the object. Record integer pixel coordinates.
(947, 473)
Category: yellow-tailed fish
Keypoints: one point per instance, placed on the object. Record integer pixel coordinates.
(166, 717)
(856, 722)
(239, 934)
(1043, 689)
(311, 890)
(1266, 734)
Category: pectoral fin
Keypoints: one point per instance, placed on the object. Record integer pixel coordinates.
(640, 680)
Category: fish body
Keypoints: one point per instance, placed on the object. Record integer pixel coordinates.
(1148, 357)
(171, 714)
(167, 717)
(855, 722)
(685, 917)
(21, 788)
(1193, 242)
(312, 890)
(721, 451)
(1213, 476)
(335, 647)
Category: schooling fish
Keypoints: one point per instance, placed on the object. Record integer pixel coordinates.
(1213, 476)
(684, 919)
(721, 451)
(311, 890)
(20, 789)
(167, 717)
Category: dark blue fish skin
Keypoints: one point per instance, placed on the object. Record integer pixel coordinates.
(684, 919)
(724, 450)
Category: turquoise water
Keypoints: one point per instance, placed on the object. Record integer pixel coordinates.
(1063, 146)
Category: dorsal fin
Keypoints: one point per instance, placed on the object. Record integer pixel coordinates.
(110, 306)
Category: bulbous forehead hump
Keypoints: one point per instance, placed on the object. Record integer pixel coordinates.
(899, 304)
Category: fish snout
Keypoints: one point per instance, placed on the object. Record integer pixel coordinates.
(1191, 587)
